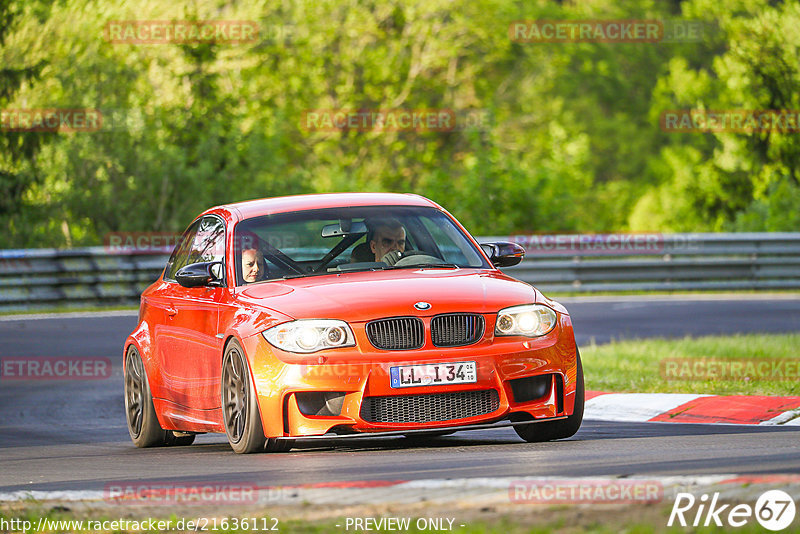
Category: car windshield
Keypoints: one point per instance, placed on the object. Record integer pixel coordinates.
(338, 240)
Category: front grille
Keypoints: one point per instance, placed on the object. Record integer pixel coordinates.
(429, 408)
(456, 329)
(398, 333)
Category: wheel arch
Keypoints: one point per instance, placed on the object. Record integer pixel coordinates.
(270, 402)
(141, 339)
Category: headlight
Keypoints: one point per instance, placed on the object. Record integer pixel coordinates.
(310, 335)
(530, 320)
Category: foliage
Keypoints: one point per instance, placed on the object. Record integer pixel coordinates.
(732, 181)
(570, 140)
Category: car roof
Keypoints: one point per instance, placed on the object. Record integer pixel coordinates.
(268, 206)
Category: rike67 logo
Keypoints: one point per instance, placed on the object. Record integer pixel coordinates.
(774, 510)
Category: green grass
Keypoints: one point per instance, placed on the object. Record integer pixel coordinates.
(638, 366)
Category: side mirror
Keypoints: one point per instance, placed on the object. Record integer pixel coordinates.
(503, 253)
(204, 273)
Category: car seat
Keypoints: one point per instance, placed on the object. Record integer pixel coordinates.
(362, 253)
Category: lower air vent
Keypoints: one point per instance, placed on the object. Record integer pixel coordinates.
(429, 408)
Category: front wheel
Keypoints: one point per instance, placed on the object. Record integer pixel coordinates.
(240, 407)
(564, 428)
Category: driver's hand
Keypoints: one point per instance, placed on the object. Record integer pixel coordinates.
(390, 258)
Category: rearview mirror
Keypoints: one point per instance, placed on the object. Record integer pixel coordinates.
(204, 273)
(344, 227)
(504, 253)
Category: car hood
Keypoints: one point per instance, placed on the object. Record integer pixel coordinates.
(370, 295)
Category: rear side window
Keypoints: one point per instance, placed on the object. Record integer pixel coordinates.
(203, 241)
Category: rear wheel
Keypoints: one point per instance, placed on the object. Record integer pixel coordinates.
(143, 426)
(563, 428)
(240, 407)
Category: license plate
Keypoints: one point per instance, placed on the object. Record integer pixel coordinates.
(406, 376)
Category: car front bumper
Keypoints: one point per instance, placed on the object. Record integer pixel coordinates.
(362, 378)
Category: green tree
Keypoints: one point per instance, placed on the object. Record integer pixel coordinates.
(726, 180)
(18, 149)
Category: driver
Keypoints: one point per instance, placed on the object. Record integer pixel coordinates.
(388, 240)
(253, 267)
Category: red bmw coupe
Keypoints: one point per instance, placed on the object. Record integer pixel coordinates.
(345, 315)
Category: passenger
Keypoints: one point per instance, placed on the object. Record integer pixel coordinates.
(253, 266)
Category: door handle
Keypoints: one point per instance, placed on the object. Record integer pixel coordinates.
(171, 311)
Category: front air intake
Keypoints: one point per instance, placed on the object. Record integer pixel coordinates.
(456, 329)
(397, 333)
(530, 388)
(429, 408)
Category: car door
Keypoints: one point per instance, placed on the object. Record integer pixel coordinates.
(161, 304)
(188, 343)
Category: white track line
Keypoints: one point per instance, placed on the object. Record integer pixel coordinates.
(634, 407)
(429, 490)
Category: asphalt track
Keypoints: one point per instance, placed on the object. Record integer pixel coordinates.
(59, 435)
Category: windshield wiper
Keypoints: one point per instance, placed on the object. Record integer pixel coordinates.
(296, 275)
(429, 266)
(358, 267)
(335, 270)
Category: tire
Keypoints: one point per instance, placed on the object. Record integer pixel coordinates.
(240, 413)
(564, 428)
(143, 424)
